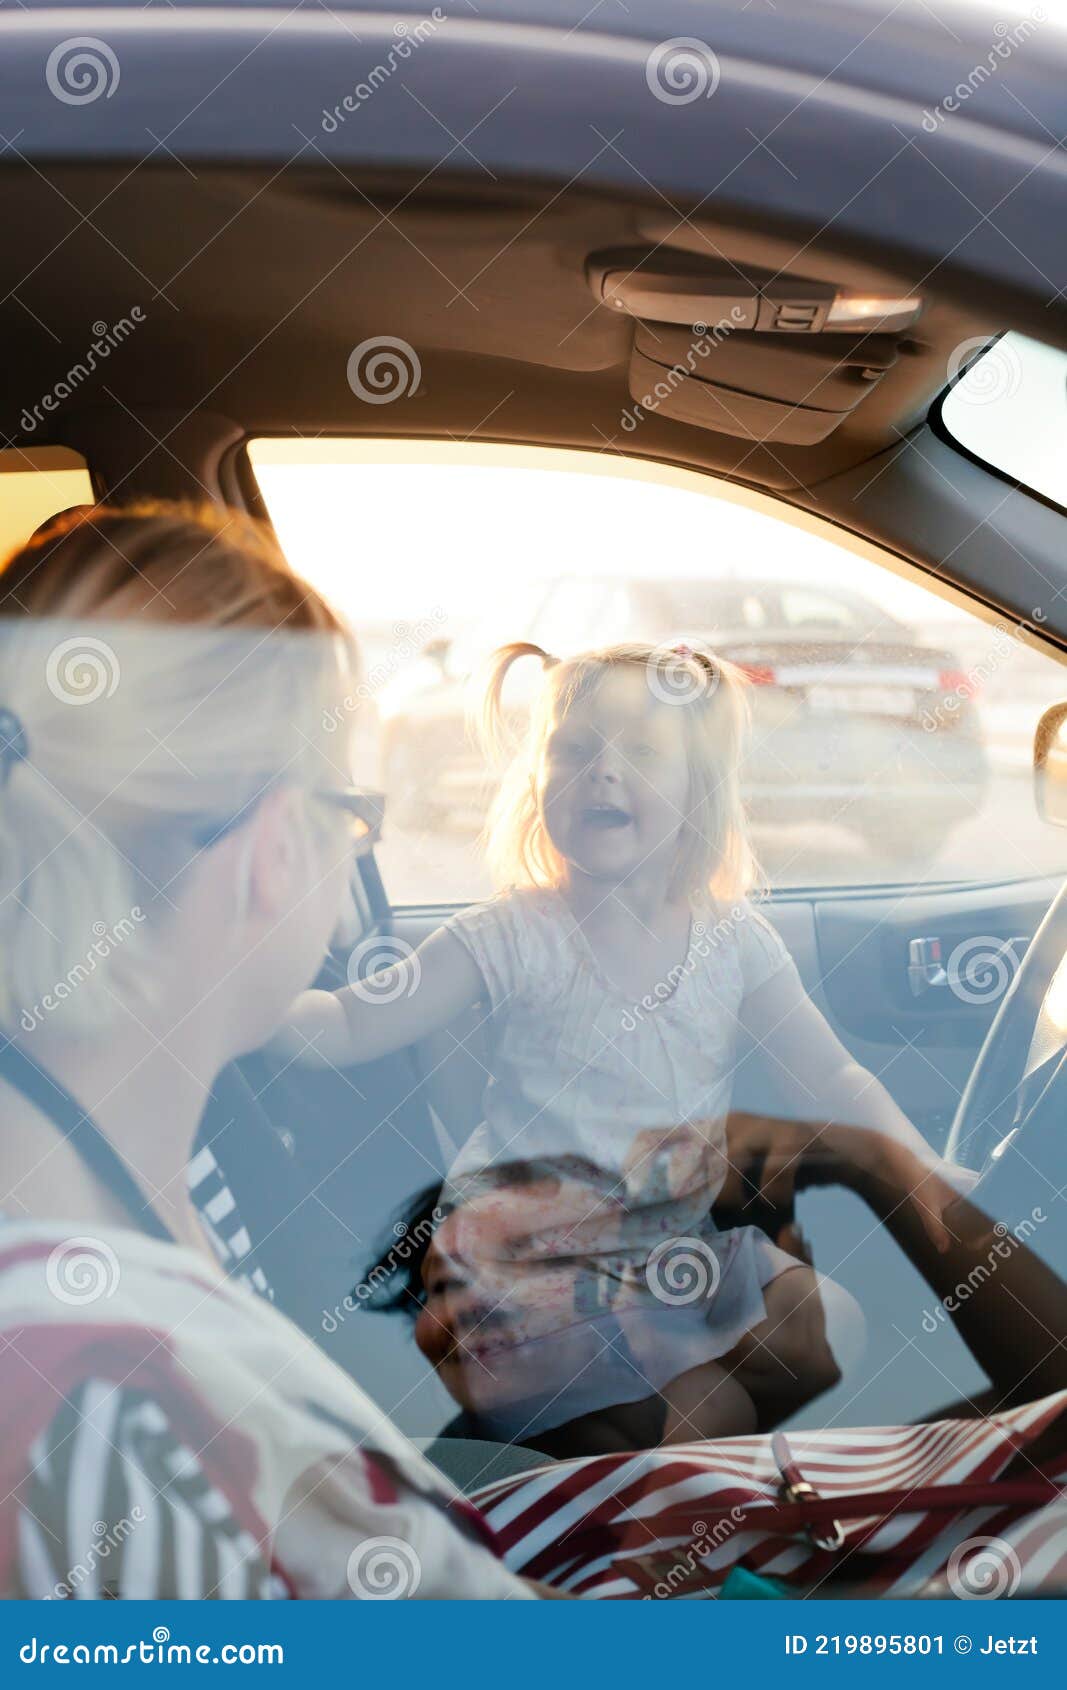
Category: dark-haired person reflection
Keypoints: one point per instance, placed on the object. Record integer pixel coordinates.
(1016, 1328)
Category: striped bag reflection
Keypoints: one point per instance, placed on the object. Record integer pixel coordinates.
(890, 1510)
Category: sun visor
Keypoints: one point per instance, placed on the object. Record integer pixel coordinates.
(756, 354)
(756, 386)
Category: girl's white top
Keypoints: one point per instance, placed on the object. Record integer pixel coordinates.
(579, 1068)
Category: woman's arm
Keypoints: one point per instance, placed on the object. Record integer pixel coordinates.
(394, 1007)
(828, 1084)
(1009, 1308)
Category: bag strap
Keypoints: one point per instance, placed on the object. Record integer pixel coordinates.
(811, 1514)
(883, 1505)
(84, 1137)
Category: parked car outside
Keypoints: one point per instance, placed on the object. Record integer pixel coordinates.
(839, 688)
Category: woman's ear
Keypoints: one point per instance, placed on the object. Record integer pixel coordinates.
(272, 855)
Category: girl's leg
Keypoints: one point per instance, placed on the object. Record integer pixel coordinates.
(607, 1431)
(707, 1402)
(785, 1361)
(703, 1403)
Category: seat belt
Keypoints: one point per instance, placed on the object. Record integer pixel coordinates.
(84, 1137)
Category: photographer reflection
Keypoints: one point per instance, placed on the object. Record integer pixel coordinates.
(555, 1308)
(578, 1311)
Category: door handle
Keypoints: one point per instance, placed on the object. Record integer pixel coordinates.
(927, 967)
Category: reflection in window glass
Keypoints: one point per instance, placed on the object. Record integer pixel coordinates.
(891, 731)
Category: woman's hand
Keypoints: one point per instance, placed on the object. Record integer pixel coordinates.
(772, 1159)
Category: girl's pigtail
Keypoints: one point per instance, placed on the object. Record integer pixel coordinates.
(492, 729)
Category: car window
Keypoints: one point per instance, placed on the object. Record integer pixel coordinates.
(1008, 406)
(753, 611)
(801, 609)
(36, 484)
(687, 604)
(891, 726)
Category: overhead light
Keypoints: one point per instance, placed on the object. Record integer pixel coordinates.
(863, 311)
(679, 287)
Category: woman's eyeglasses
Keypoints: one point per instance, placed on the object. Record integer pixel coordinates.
(366, 810)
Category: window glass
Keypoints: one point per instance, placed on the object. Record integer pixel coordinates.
(753, 611)
(802, 609)
(891, 727)
(36, 484)
(1009, 408)
(571, 609)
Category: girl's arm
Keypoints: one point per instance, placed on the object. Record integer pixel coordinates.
(824, 1081)
(394, 1007)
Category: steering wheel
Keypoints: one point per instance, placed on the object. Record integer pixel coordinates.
(985, 1110)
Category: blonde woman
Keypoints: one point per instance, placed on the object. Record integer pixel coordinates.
(580, 1296)
(174, 855)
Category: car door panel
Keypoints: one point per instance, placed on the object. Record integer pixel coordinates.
(851, 950)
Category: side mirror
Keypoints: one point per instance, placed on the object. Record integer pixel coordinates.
(1050, 765)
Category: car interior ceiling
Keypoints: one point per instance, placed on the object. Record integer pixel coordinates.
(523, 354)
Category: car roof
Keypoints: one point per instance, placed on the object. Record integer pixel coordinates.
(459, 211)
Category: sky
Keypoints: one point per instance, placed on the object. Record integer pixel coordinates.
(387, 540)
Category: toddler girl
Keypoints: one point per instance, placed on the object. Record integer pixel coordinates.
(578, 1285)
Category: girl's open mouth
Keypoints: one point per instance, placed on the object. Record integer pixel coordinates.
(605, 816)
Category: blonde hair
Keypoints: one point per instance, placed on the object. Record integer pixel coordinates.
(714, 854)
(162, 666)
